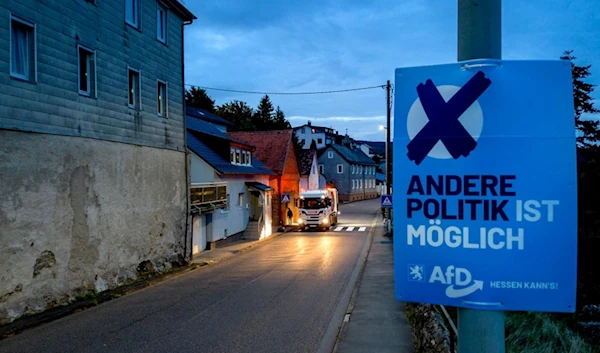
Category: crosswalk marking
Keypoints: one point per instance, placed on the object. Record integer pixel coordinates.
(350, 229)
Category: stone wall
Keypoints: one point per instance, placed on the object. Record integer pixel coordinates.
(80, 215)
(431, 333)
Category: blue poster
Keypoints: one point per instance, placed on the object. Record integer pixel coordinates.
(485, 185)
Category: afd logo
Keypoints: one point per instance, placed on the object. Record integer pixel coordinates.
(459, 281)
(446, 121)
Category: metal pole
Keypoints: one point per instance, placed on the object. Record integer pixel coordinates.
(480, 37)
(388, 179)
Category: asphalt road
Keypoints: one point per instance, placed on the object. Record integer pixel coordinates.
(279, 297)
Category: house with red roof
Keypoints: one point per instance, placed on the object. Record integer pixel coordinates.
(229, 191)
(276, 150)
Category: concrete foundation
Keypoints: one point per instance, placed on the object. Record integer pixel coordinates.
(80, 215)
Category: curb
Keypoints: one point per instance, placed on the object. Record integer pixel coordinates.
(350, 308)
(348, 312)
(56, 313)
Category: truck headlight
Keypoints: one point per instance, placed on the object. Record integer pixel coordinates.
(325, 220)
(300, 221)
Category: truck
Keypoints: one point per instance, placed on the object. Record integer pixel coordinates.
(318, 209)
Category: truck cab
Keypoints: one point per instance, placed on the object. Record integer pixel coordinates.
(318, 208)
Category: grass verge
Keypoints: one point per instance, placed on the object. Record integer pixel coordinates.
(533, 332)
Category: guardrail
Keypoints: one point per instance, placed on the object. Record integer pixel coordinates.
(449, 314)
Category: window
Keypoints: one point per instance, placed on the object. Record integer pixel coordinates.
(249, 157)
(87, 71)
(313, 131)
(241, 199)
(340, 168)
(319, 141)
(161, 99)
(330, 154)
(161, 23)
(360, 183)
(353, 184)
(238, 156)
(360, 169)
(321, 168)
(132, 12)
(22, 50)
(232, 155)
(314, 169)
(134, 89)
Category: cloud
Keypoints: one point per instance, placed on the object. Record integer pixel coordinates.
(319, 45)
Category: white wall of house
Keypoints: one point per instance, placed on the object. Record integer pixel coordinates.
(305, 133)
(313, 177)
(202, 172)
(234, 219)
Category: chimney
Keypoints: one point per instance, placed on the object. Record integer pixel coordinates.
(309, 123)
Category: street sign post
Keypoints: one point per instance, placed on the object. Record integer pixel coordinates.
(386, 201)
(285, 198)
(485, 178)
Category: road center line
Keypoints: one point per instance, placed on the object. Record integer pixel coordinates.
(349, 229)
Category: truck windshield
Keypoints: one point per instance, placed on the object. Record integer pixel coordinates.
(312, 204)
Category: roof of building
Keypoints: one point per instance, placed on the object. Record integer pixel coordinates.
(206, 116)
(271, 146)
(179, 8)
(305, 160)
(352, 156)
(220, 164)
(204, 127)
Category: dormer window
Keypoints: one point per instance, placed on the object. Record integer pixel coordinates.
(240, 157)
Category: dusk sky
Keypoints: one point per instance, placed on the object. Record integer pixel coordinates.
(310, 45)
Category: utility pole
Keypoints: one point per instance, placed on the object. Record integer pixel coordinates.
(480, 37)
(388, 173)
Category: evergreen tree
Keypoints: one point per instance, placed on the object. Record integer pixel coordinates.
(584, 104)
(198, 98)
(280, 123)
(239, 113)
(263, 118)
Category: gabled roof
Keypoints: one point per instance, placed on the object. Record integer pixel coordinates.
(220, 164)
(271, 146)
(352, 156)
(206, 116)
(305, 160)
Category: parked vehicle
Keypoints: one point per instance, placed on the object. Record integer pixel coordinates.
(318, 208)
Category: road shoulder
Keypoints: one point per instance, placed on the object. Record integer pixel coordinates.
(375, 321)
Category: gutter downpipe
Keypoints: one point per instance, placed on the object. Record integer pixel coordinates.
(186, 257)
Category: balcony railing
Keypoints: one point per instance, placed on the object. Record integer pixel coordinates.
(207, 197)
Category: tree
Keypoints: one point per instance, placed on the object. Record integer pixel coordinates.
(198, 98)
(263, 118)
(239, 113)
(279, 121)
(584, 104)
